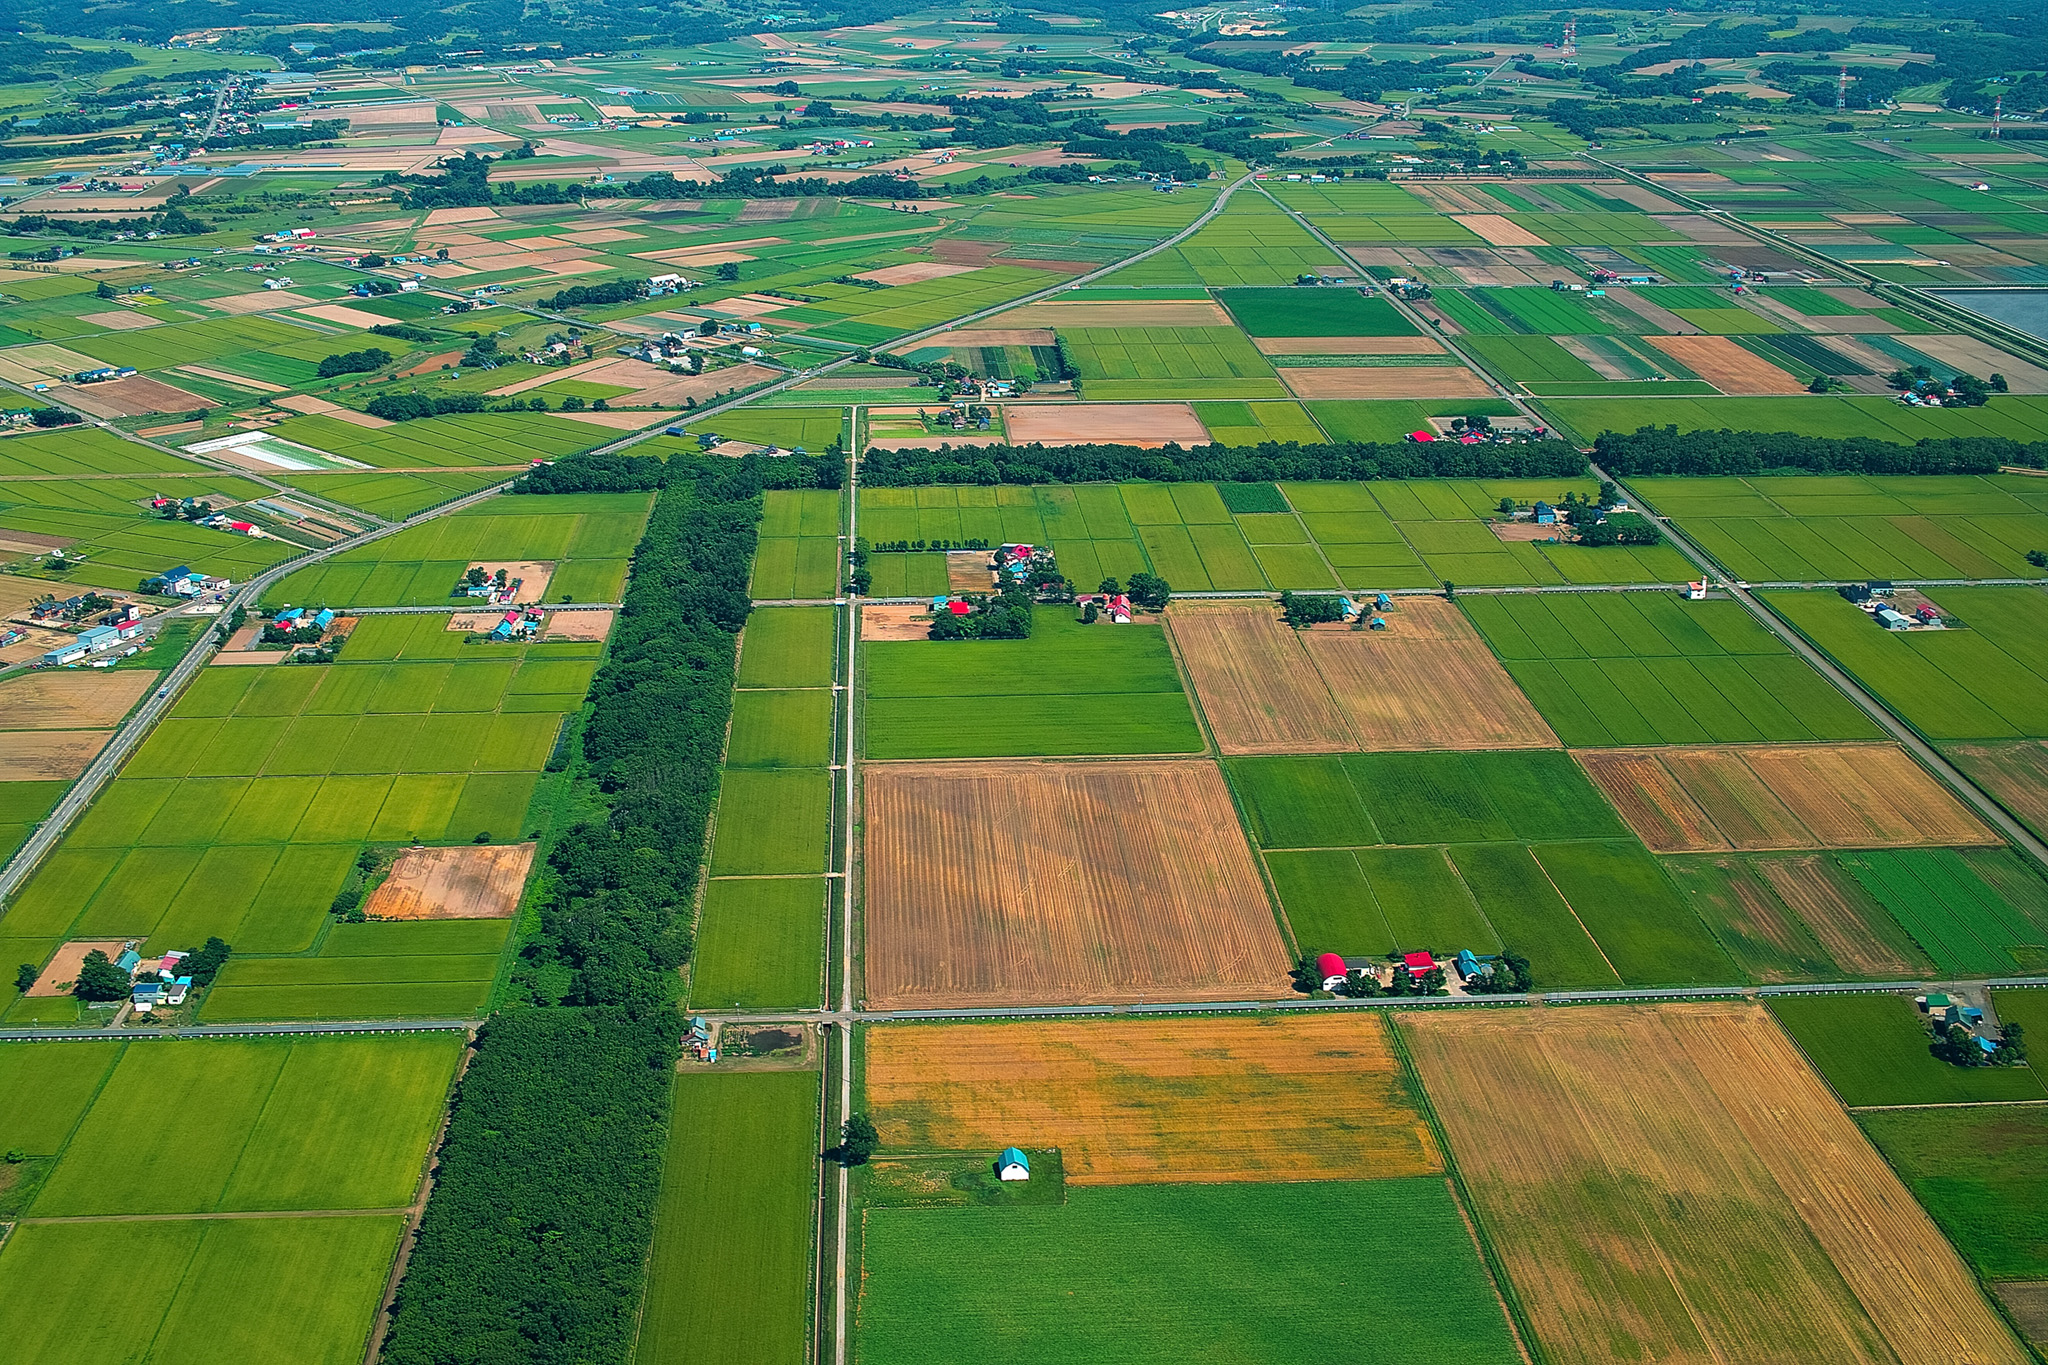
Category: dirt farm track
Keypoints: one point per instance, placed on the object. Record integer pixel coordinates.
(1023, 882)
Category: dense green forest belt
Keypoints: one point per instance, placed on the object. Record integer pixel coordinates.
(1661, 450)
(1266, 463)
(533, 1245)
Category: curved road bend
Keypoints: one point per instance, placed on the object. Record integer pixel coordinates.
(132, 731)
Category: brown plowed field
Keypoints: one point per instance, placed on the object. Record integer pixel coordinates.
(2017, 774)
(74, 699)
(1138, 424)
(1673, 1183)
(1386, 381)
(48, 755)
(1727, 366)
(1026, 882)
(1833, 907)
(1153, 1101)
(1426, 682)
(1756, 797)
(453, 883)
(1497, 230)
(1257, 686)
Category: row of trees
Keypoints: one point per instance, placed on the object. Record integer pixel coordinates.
(1268, 462)
(1667, 450)
(355, 362)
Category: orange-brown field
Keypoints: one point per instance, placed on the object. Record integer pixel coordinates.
(1673, 1183)
(1030, 882)
(1761, 796)
(2017, 774)
(1426, 682)
(1391, 381)
(1155, 1101)
(1726, 365)
(1257, 686)
(71, 699)
(48, 755)
(453, 883)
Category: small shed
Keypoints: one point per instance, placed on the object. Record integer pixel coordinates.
(1546, 515)
(1330, 967)
(1013, 1164)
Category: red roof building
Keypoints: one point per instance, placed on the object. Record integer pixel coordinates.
(1330, 964)
(959, 608)
(1418, 963)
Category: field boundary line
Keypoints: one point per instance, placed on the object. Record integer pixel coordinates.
(229, 1216)
(1946, 1104)
(315, 1026)
(401, 1255)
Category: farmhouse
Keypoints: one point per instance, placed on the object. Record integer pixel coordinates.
(1013, 1164)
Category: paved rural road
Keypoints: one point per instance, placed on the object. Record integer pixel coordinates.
(137, 727)
(1929, 757)
(477, 606)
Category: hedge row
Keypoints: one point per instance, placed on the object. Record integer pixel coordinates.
(1269, 462)
(1666, 450)
(533, 1245)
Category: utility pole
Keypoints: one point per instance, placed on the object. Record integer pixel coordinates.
(1997, 114)
(1842, 90)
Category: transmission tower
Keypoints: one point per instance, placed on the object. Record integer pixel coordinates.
(1997, 114)
(1842, 90)
(1570, 46)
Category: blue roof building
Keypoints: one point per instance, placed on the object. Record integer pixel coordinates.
(1013, 1164)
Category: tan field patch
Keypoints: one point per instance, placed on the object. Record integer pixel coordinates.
(531, 575)
(1512, 532)
(346, 316)
(1133, 1102)
(976, 337)
(895, 621)
(34, 364)
(1827, 900)
(1982, 358)
(1137, 424)
(239, 381)
(578, 625)
(1416, 345)
(1761, 797)
(2017, 774)
(1000, 883)
(1426, 682)
(1386, 381)
(1675, 1184)
(261, 301)
(62, 973)
(121, 320)
(135, 396)
(453, 883)
(18, 594)
(2027, 1301)
(617, 421)
(48, 755)
(1256, 684)
(474, 215)
(1726, 366)
(599, 236)
(1496, 230)
(914, 272)
(968, 571)
(73, 699)
(1188, 313)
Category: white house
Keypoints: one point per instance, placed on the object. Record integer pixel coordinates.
(1013, 1165)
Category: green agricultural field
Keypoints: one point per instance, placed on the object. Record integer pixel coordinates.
(781, 729)
(1250, 424)
(730, 1273)
(1105, 1276)
(1652, 668)
(1948, 902)
(1645, 929)
(1069, 689)
(1873, 1050)
(1314, 313)
(464, 440)
(1988, 680)
(798, 554)
(1982, 1173)
(772, 822)
(1763, 929)
(1529, 916)
(393, 496)
(789, 647)
(1883, 419)
(87, 450)
(298, 1289)
(759, 943)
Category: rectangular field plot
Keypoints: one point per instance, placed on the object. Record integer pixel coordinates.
(1873, 1050)
(1987, 681)
(1979, 912)
(298, 1289)
(1802, 917)
(1982, 1173)
(759, 943)
(1646, 668)
(1136, 864)
(1069, 689)
(1143, 1102)
(1130, 1274)
(1258, 688)
(1799, 1243)
(1782, 796)
(730, 1272)
(789, 647)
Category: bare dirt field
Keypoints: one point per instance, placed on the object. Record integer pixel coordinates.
(978, 337)
(1137, 424)
(1024, 882)
(1257, 686)
(895, 621)
(967, 570)
(1514, 531)
(1417, 345)
(1744, 796)
(75, 699)
(1496, 230)
(62, 973)
(578, 625)
(1386, 381)
(1189, 313)
(1426, 682)
(136, 396)
(2027, 1301)
(531, 575)
(1675, 1184)
(1132, 1102)
(914, 272)
(48, 755)
(1726, 366)
(453, 883)
(1821, 896)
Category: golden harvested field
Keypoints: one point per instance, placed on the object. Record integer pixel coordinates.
(1497, 230)
(1426, 682)
(1139, 424)
(453, 883)
(71, 699)
(1030, 882)
(1145, 1101)
(1673, 1183)
(1726, 365)
(1387, 381)
(2017, 774)
(1762, 796)
(48, 755)
(1257, 686)
(1820, 896)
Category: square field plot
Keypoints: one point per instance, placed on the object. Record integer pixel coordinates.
(1799, 1243)
(1983, 1174)
(1023, 883)
(1157, 1274)
(1155, 1101)
(759, 943)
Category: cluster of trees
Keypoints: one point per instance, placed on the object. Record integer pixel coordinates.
(407, 407)
(1511, 975)
(100, 981)
(1304, 609)
(54, 417)
(402, 331)
(355, 362)
(1666, 450)
(585, 295)
(1958, 1047)
(1004, 615)
(1268, 462)
(172, 222)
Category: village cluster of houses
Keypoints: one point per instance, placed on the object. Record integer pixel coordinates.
(184, 581)
(1878, 599)
(120, 627)
(519, 625)
(157, 982)
(1945, 1013)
